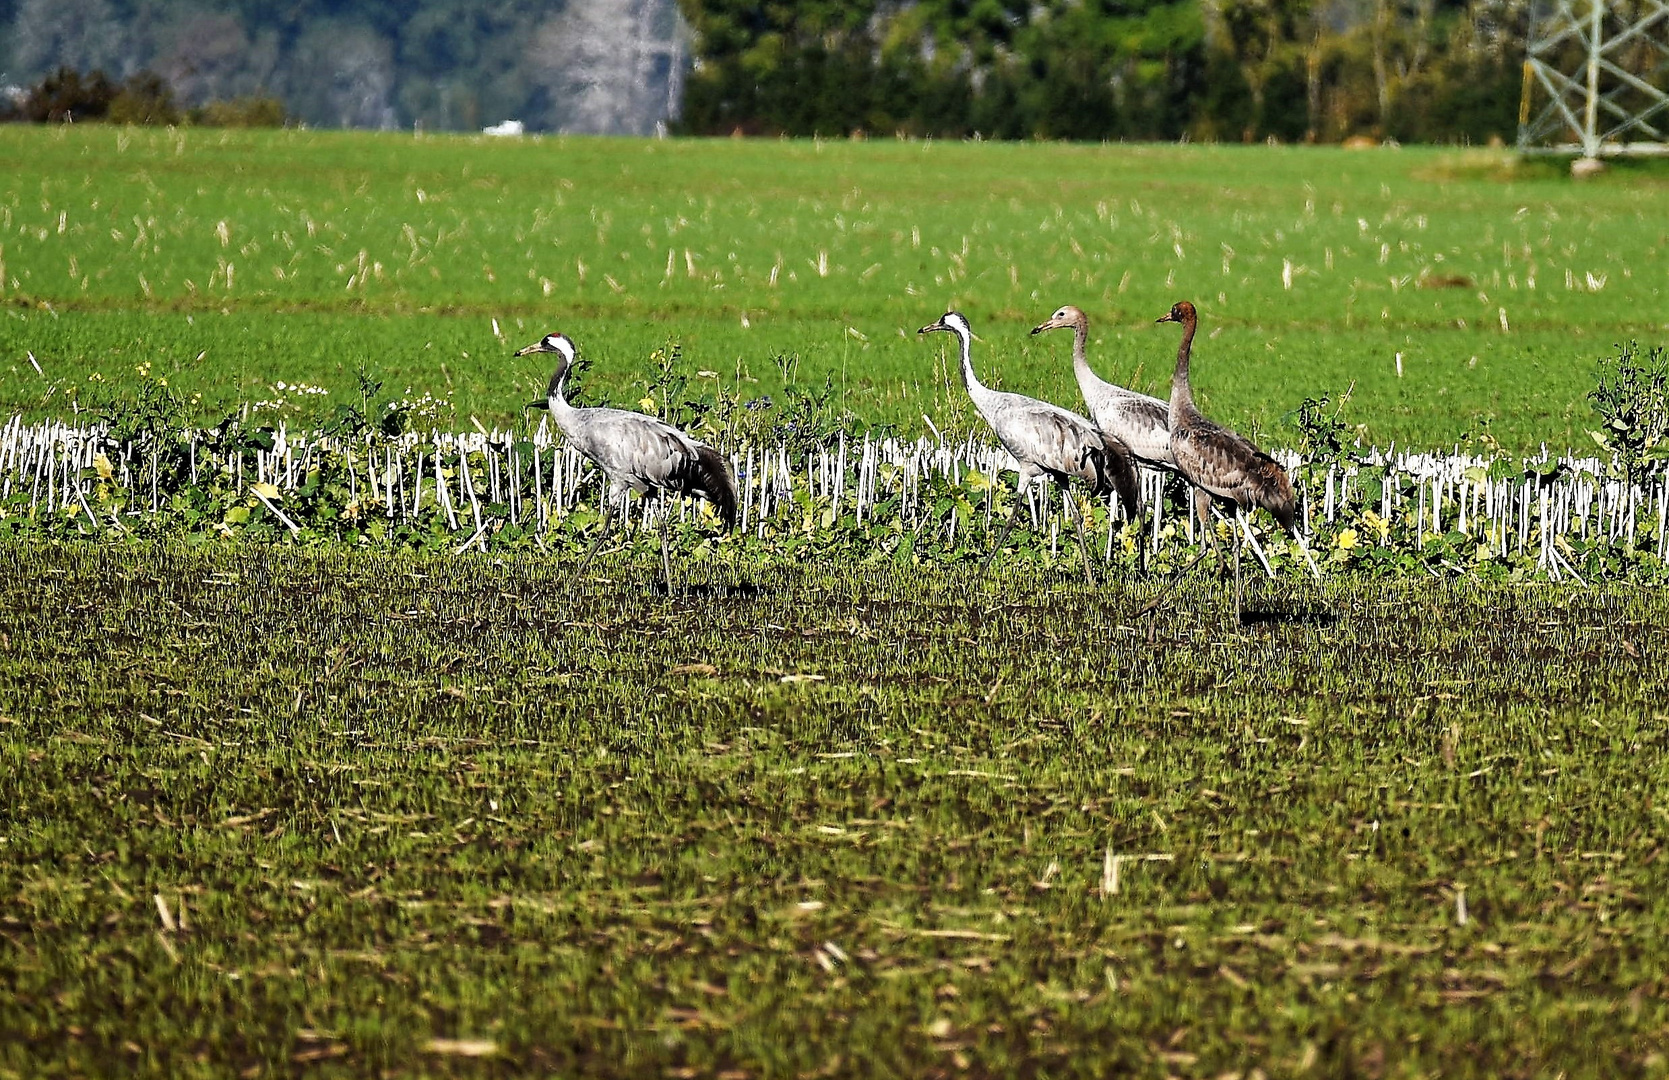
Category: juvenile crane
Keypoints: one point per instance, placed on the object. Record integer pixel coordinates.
(1140, 422)
(1046, 440)
(636, 452)
(1222, 463)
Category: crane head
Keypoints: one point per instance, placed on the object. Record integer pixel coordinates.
(1066, 317)
(1181, 311)
(951, 322)
(561, 344)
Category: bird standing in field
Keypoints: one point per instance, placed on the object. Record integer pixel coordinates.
(1140, 422)
(1046, 440)
(636, 452)
(1222, 463)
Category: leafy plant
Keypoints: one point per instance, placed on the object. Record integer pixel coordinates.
(805, 419)
(665, 386)
(354, 419)
(1324, 438)
(1632, 399)
(153, 413)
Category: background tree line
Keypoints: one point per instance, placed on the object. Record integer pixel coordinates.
(1413, 70)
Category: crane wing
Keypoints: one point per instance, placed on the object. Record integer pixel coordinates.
(1140, 422)
(632, 448)
(1119, 472)
(1229, 466)
(645, 454)
(1045, 435)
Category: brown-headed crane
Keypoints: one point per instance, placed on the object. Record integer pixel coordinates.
(1223, 463)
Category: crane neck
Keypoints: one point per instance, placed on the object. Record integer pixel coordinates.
(1080, 350)
(969, 380)
(1182, 394)
(556, 396)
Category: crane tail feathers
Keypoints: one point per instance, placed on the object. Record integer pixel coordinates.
(711, 478)
(1274, 493)
(1119, 474)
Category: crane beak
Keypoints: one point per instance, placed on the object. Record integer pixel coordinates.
(537, 346)
(1167, 317)
(940, 325)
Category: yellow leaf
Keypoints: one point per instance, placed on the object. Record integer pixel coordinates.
(265, 490)
(102, 464)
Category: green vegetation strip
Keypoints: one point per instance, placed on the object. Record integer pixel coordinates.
(271, 812)
(1449, 289)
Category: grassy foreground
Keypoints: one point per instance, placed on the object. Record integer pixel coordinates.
(271, 813)
(1448, 288)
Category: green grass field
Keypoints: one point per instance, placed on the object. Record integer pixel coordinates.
(857, 824)
(233, 261)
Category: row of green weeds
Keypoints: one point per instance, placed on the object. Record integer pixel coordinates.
(158, 478)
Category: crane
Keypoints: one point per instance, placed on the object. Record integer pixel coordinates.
(1142, 423)
(635, 452)
(1221, 463)
(1046, 440)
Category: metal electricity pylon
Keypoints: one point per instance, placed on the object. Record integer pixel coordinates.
(1602, 67)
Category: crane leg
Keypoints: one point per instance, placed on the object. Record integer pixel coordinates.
(602, 532)
(1239, 596)
(1202, 510)
(1202, 506)
(1305, 548)
(1141, 548)
(666, 559)
(1083, 544)
(1008, 527)
(1252, 542)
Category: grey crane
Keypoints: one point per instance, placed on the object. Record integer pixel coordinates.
(635, 452)
(1142, 423)
(1223, 463)
(1046, 440)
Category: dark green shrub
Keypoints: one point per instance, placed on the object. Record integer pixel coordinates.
(145, 99)
(66, 96)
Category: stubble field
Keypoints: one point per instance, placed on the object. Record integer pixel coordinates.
(286, 813)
